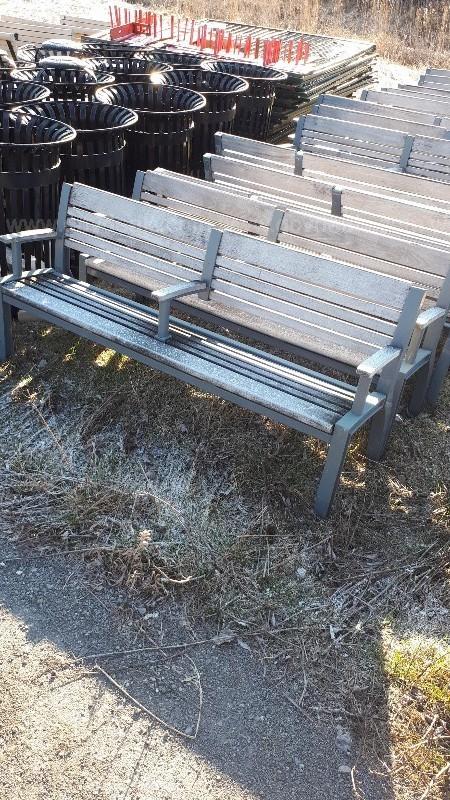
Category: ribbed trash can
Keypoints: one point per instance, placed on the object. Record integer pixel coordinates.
(104, 47)
(97, 155)
(163, 134)
(129, 69)
(6, 62)
(254, 109)
(221, 92)
(29, 173)
(13, 93)
(67, 78)
(30, 54)
(179, 58)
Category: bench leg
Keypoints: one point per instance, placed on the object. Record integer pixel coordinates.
(440, 372)
(330, 476)
(381, 426)
(6, 347)
(419, 393)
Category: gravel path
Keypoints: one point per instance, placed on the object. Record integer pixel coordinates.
(66, 733)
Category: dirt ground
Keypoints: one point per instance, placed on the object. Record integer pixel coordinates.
(66, 732)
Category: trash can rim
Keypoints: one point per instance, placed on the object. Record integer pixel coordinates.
(68, 130)
(243, 88)
(278, 76)
(132, 121)
(179, 111)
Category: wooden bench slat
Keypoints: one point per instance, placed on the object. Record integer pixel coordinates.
(190, 365)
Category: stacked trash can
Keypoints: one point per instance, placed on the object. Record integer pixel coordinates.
(67, 78)
(221, 91)
(164, 131)
(97, 155)
(254, 109)
(30, 163)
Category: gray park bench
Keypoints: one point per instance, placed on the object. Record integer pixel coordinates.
(405, 247)
(389, 114)
(350, 314)
(372, 145)
(391, 252)
(397, 98)
(347, 199)
(330, 168)
(363, 113)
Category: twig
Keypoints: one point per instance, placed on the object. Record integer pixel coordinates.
(143, 708)
(133, 651)
(297, 706)
(200, 695)
(436, 777)
(355, 788)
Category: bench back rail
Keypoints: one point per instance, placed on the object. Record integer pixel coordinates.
(345, 313)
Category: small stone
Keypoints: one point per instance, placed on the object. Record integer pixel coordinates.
(42, 363)
(301, 573)
(19, 572)
(190, 730)
(344, 769)
(343, 740)
(142, 610)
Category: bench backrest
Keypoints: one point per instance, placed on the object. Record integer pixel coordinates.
(440, 72)
(436, 80)
(391, 113)
(369, 144)
(433, 90)
(28, 31)
(319, 165)
(320, 192)
(399, 99)
(391, 254)
(337, 310)
(83, 25)
(381, 118)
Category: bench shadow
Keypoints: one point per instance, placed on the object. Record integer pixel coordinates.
(252, 728)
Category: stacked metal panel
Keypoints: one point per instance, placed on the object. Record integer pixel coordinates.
(333, 65)
(314, 64)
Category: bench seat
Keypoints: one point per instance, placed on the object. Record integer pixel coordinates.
(302, 397)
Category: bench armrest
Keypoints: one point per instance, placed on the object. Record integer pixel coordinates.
(16, 241)
(373, 365)
(24, 237)
(179, 290)
(368, 369)
(426, 318)
(424, 323)
(165, 296)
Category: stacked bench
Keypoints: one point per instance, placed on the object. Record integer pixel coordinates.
(414, 219)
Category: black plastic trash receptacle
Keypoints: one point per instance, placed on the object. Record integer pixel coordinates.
(221, 92)
(67, 78)
(13, 93)
(97, 155)
(29, 172)
(179, 58)
(163, 134)
(254, 109)
(131, 70)
(30, 54)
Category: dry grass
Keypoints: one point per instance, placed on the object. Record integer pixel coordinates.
(408, 31)
(168, 490)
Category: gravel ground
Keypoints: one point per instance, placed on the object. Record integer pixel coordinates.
(67, 733)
